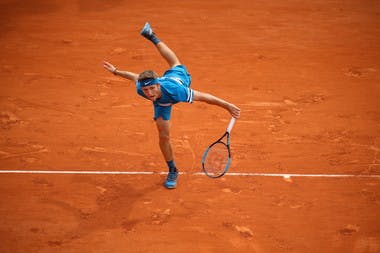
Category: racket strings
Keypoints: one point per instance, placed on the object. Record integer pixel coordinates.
(216, 160)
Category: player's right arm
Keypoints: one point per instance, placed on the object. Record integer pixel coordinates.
(211, 99)
(125, 74)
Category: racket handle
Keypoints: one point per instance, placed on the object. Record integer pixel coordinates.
(231, 124)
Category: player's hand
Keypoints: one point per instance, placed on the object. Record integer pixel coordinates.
(108, 66)
(234, 110)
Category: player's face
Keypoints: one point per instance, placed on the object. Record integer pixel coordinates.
(152, 92)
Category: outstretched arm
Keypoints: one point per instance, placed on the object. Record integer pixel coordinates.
(126, 74)
(210, 99)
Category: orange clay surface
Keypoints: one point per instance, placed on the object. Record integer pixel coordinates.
(306, 75)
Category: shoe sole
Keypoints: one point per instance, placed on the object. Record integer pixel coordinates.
(147, 30)
(170, 186)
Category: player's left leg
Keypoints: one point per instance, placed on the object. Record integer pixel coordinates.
(168, 54)
(163, 127)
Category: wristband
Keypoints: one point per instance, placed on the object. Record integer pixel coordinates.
(114, 72)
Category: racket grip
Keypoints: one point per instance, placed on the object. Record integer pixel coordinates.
(231, 124)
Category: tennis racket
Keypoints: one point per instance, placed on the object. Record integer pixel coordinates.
(217, 158)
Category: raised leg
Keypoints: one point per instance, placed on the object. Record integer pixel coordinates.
(164, 50)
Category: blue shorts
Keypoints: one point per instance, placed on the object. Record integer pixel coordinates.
(179, 72)
(162, 111)
(182, 76)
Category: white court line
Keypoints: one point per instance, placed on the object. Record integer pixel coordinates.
(248, 174)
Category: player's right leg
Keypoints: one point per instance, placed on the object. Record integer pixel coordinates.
(164, 50)
(148, 33)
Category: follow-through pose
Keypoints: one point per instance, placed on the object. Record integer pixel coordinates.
(171, 88)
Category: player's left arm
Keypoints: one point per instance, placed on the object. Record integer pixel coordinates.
(211, 99)
(125, 74)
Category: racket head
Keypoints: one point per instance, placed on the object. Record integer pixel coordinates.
(216, 159)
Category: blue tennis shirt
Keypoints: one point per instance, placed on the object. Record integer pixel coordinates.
(175, 87)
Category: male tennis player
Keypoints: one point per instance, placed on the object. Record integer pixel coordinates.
(171, 88)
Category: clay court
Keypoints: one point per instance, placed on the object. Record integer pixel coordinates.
(81, 170)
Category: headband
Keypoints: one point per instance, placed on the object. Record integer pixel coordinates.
(147, 82)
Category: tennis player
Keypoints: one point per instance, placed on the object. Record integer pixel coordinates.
(171, 88)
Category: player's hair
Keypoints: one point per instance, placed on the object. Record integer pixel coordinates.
(147, 74)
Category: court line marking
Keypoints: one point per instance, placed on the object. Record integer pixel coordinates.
(247, 174)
